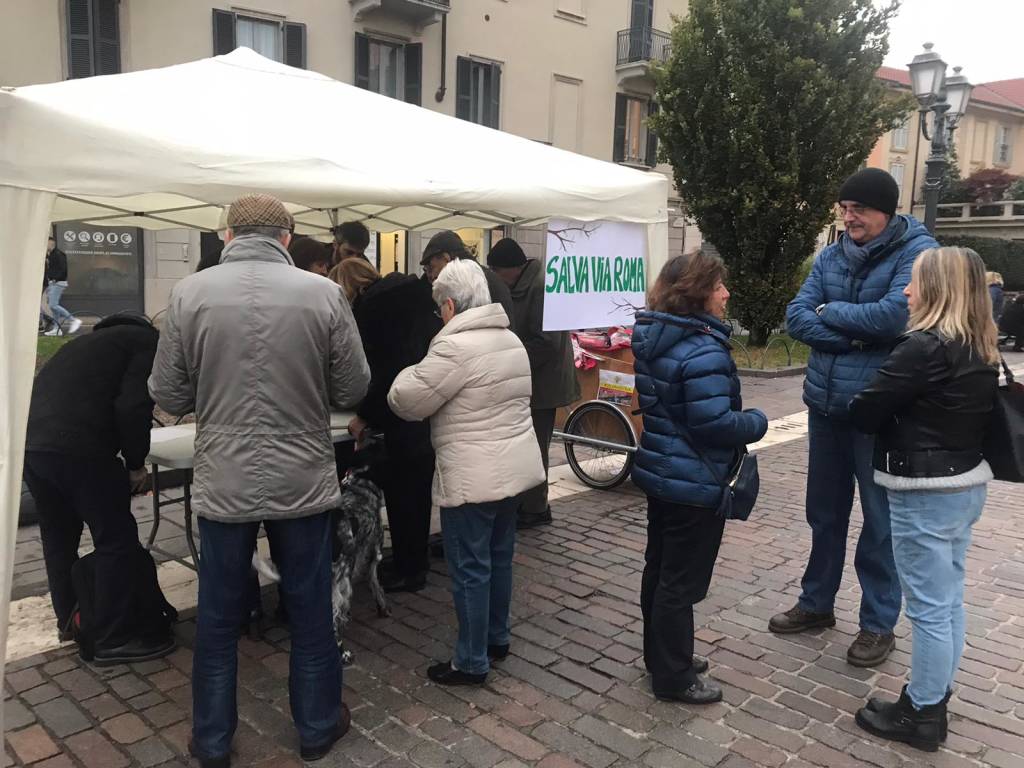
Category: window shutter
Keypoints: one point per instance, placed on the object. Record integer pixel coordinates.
(494, 109)
(414, 73)
(80, 58)
(652, 138)
(362, 61)
(106, 38)
(223, 32)
(619, 145)
(295, 45)
(463, 88)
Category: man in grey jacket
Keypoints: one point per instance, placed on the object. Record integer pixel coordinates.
(551, 361)
(261, 352)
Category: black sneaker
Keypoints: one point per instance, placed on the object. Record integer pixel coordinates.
(703, 691)
(445, 674)
(134, 651)
(533, 520)
(312, 754)
(796, 619)
(497, 652)
(870, 648)
(224, 761)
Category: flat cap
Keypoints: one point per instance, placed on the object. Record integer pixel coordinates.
(258, 210)
(444, 241)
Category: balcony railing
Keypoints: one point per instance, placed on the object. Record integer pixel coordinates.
(640, 44)
(418, 11)
(999, 211)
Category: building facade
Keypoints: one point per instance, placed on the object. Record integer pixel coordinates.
(574, 74)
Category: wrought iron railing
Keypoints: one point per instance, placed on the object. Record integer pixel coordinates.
(642, 44)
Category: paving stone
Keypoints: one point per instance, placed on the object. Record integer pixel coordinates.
(16, 715)
(60, 761)
(41, 693)
(94, 750)
(62, 717)
(561, 739)
(150, 752)
(127, 728)
(32, 744)
(611, 737)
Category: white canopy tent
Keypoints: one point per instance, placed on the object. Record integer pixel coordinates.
(173, 147)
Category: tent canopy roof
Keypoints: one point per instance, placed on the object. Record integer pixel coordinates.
(171, 147)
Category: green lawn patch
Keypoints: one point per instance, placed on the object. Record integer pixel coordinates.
(773, 355)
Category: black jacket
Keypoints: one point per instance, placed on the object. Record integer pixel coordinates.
(56, 265)
(397, 318)
(91, 398)
(929, 404)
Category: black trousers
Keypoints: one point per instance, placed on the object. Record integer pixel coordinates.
(71, 491)
(407, 494)
(535, 500)
(682, 546)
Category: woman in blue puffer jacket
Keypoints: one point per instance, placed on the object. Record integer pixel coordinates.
(690, 397)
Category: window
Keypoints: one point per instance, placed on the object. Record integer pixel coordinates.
(277, 40)
(901, 136)
(94, 38)
(1004, 145)
(478, 92)
(565, 113)
(389, 68)
(634, 143)
(641, 14)
(574, 9)
(896, 171)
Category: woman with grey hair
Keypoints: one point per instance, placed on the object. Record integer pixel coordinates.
(474, 386)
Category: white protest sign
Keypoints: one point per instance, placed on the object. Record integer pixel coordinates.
(595, 274)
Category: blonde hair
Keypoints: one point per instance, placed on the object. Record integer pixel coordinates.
(354, 276)
(993, 278)
(952, 298)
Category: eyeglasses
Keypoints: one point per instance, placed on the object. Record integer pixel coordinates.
(854, 210)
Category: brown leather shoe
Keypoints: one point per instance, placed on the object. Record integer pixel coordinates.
(870, 649)
(796, 619)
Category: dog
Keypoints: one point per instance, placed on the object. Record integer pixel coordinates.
(357, 544)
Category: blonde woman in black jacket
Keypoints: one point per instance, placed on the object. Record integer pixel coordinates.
(929, 406)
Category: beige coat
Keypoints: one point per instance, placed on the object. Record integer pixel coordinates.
(260, 351)
(474, 385)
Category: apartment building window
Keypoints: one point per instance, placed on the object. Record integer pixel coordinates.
(901, 136)
(896, 171)
(634, 142)
(478, 91)
(641, 14)
(572, 9)
(390, 68)
(94, 38)
(277, 40)
(1004, 145)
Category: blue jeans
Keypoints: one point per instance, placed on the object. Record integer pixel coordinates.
(479, 540)
(931, 531)
(302, 552)
(53, 293)
(838, 455)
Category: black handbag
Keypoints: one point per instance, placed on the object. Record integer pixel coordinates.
(739, 487)
(1003, 447)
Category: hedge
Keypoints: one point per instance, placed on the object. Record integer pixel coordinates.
(999, 254)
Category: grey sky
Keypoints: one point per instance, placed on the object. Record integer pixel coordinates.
(982, 36)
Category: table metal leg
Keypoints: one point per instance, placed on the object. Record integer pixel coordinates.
(156, 508)
(189, 538)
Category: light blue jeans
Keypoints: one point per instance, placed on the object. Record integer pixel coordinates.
(931, 531)
(479, 540)
(53, 293)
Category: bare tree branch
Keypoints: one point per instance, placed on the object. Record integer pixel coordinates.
(563, 233)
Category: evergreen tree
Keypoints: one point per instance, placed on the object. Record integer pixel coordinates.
(766, 107)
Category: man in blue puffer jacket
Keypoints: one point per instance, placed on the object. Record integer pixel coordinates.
(850, 311)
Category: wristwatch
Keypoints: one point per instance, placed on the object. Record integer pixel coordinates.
(819, 309)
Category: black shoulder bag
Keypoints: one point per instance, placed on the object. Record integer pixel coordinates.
(1003, 447)
(739, 487)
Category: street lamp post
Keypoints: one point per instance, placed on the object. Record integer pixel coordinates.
(946, 99)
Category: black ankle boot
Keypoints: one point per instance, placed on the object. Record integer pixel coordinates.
(920, 728)
(877, 705)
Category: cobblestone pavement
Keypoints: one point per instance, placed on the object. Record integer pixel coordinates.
(574, 692)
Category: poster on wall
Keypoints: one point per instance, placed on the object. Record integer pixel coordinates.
(595, 274)
(104, 266)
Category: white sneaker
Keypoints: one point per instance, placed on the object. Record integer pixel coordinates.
(55, 331)
(75, 325)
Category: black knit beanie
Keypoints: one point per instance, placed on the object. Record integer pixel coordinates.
(506, 253)
(874, 188)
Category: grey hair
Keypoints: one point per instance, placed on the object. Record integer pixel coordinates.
(463, 282)
(275, 232)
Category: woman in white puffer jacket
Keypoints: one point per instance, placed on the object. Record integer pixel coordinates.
(474, 386)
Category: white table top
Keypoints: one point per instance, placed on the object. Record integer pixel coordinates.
(175, 447)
